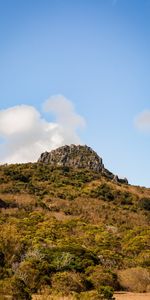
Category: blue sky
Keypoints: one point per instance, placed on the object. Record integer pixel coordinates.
(95, 53)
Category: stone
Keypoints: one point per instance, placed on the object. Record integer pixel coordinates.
(120, 180)
(73, 156)
(78, 157)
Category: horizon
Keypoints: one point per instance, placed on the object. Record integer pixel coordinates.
(76, 73)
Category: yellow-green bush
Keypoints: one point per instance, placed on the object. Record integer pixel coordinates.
(67, 282)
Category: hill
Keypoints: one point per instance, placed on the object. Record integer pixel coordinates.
(71, 230)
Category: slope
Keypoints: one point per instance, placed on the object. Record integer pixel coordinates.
(71, 230)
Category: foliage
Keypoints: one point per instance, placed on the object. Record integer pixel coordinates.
(20, 290)
(103, 191)
(98, 276)
(106, 293)
(70, 230)
(145, 203)
(67, 282)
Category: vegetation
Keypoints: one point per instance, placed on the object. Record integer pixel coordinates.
(71, 232)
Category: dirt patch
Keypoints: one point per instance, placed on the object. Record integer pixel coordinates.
(132, 296)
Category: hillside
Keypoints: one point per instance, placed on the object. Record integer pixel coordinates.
(73, 231)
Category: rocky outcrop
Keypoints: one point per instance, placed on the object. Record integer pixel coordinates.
(73, 156)
(77, 156)
(120, 180)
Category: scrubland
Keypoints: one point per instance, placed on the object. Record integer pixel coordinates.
(71, 234)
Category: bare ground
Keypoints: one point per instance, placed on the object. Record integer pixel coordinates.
(132, 296)
(118, 296)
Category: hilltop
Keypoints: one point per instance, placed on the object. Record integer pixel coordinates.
(75, 156)
(78, 157)
(71, 230)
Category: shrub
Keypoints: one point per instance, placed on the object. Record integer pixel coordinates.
(19, 290)
(67, 282)
(103, 191)
(106, 293)
(134, 279)
(5, 287)
(144, 259)
(125, 198)
(29, 273)
(100, 277)
(144, 203)
(69, 258)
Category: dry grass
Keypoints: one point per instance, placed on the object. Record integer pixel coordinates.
(19, 199)
(135, 279)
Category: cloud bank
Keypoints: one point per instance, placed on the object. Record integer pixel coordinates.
(142, 121)
(25, 134)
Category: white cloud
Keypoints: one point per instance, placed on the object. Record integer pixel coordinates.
(17, 119)
(25, 134)
(69, 120)
(142, 121)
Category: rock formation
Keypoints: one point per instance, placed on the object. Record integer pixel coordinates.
(78, 156)
(73, 156)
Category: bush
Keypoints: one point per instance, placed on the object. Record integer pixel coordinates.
(5, 287)
(30, 274)
(69, 258)
(144, 203)
(104, 192)
(134, 279)
(67, 282)
(19, 290)
(100, 277)
(125, 198)
(106, 293)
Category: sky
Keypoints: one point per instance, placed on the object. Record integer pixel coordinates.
(76, 72)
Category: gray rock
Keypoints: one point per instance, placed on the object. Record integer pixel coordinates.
(120, 180)
(73, 156)
(78, 157)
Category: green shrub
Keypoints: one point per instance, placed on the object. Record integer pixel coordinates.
(68, 282)
(144, 203)
(106, 293)
(69, 258)
(101, 277)
(125, 198)
(103, 191)
(19, 290)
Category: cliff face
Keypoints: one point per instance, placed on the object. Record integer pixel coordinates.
(78, 157)
(73, 156)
